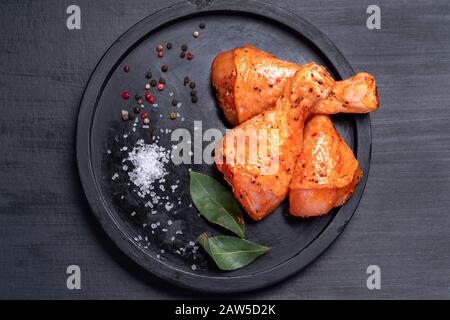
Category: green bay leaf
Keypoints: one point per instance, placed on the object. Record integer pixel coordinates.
(216, 203)
(231, 253)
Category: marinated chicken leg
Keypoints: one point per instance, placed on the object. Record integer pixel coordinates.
(326, 172)
(248, 81)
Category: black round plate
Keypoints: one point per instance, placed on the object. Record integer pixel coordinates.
(102, 136)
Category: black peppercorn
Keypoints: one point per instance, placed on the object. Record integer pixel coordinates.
(186, 80)
(153, 83)
(162, 80)
(169, 45)
(202, 25)
(148, 75)
(194, 99)
(183, 54)
(192, 85)
(138, 97)
(164, 68)
(174, 102)
(193, 93)
(184, 47)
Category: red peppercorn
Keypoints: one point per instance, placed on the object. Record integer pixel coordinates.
(144, 114)
(151, 100)
(160, 54)
(161, 86)
(189, 56)
(125, 95)
(126, 68)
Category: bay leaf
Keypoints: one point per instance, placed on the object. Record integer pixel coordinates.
(216, 203)
(231, 253)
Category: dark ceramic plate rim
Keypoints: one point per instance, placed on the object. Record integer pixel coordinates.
(114, 228)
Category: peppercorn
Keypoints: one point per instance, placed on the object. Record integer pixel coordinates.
(146, 120)
(182, 54)
(161, 86)
(169, 45)
(202, 25)
(153, 83)
(194, 99)
(125, 95)
(148, 97)
(173, 115)
(193, 92)
(137, 97)
(164, 68)
(192, 85)
(140, 101)
(148, 75)
(151, 100)
(131, 115)
(144, 114)
(137, 109)
(126, 69)
(184, 47)
(162, 80)
(186, 80)
(125, 117)
(161, 54)
(147, 86)
(174, 102)
(196, 34)
(189, 56)
(159, 47)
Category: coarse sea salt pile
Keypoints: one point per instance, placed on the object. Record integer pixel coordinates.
(149, 162)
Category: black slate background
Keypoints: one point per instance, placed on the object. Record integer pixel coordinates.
(402, 223)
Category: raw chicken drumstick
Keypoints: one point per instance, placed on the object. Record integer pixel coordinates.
(326, 172)
(249, 81)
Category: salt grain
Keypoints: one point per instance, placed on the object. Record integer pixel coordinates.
(168, 206)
